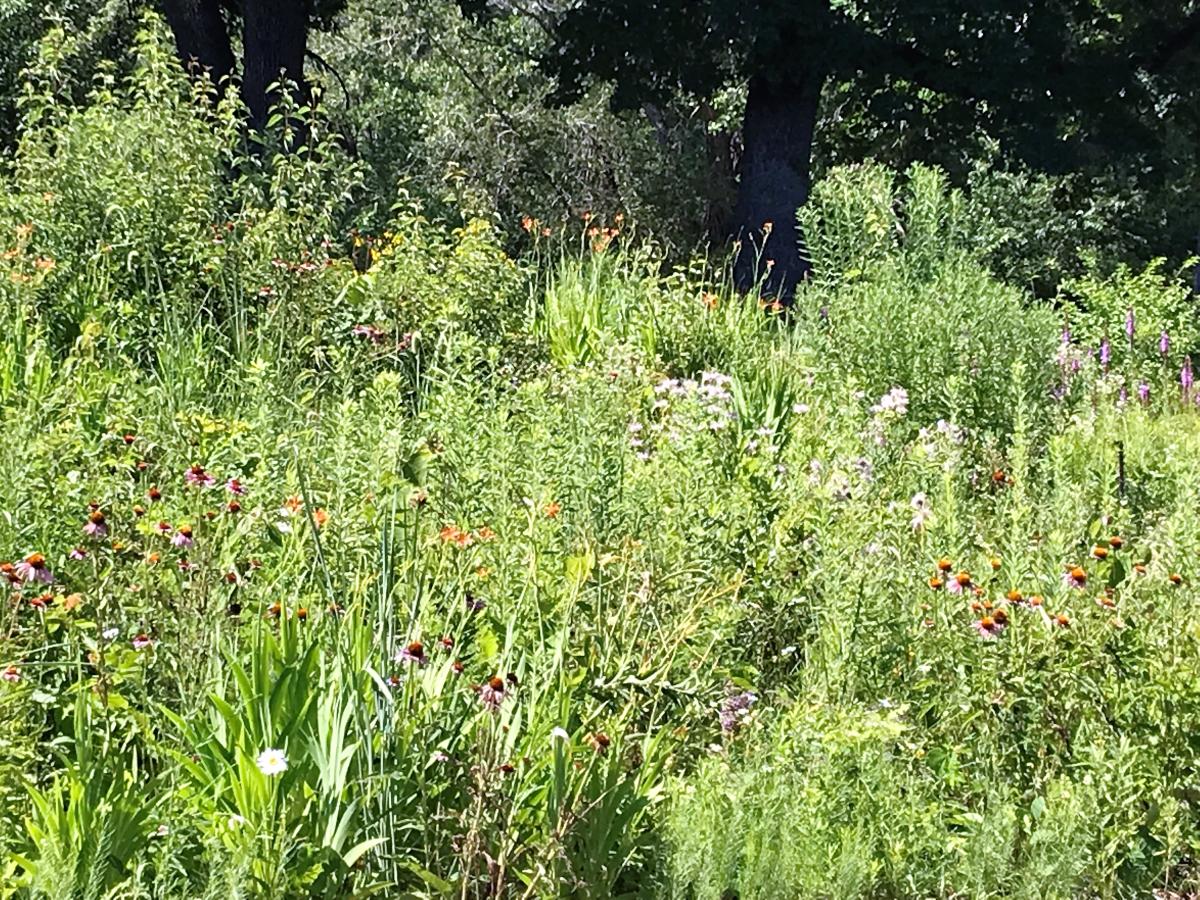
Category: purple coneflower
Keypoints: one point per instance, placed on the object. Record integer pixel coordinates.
(235, 487)
(183, 537)
(1075, 577)
(142, 641)
(96, 527)
(198, 476)
(33, 569)
(413, 653)
(11, 674)
(989, 627)
(492, 693)
(78, 553)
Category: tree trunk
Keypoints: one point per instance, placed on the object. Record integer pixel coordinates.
(777, 136)
(274, 39)
(200, 37)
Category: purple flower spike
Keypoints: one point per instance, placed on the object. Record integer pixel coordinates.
(1164, 343)
(1130, 323)
(1105, 353)
(1185, 375)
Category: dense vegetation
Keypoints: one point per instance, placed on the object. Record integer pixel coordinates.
(478, 537)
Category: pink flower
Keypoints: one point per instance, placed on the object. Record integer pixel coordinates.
(78, 553)
(142, 641)
(235, 487)
(183, 537)
(12, 675)
(989, 628)
(413, 653)
(198, 476)
(96, 527)
(1075, 577)
(33, 569)
(492, 693)
(163, 528)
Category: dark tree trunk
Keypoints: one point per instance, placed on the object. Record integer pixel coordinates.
(777, 136)
(273, 41)
(200, 37)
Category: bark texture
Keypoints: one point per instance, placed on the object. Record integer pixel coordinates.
(200, 37)
(274, 39)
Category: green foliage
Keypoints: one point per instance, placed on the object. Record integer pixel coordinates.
(569, 574)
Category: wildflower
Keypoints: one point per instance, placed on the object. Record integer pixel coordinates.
(988, 627)
(1164, 343)
(1100, 552)
(452, 534)
(457, 667)
(446, 642)
(735, 709)
(195, 475)
(235, 487)
(275, 610)
(142, 641)
(183, 537)
(77, 553)
(291, 506)
(474, 604)
(413, 653)
(154, 495)
(1143, 392)
(33, 569)
(1105, 353)
(599, 741)
(139, 510)
(935, 583)
(553, 508)
(9, 572)
(492, 693)
(110, 634)
(1035, 600)
(1014, 596)
(152, 559)
(922, 514)
(1175, 578)
(96, 527)
(944, 564)
(1185, 375)
(11, 674)
(272, 762)
(1075, 577)
(1130, 323)
(894, 401)
(960, 582)
(1139, 568)
(1062, 621)
(1116, 541)
(233, 507)
(42, 602)
(995, 563)
(163, 528)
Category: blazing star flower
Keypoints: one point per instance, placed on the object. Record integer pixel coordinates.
(235, 487)
(33, 569)
(142, 641)
(1105, 353)
(272, 762)
(492, 693)
(1075, 577)
(96, 527)
(11, 674)
(183, 537)
(196, 475)
(1143, 392)
(413, 653)
(1164, 343)
(1185, 375)
(1130, 323)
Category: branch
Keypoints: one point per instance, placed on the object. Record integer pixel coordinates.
(1166, 52)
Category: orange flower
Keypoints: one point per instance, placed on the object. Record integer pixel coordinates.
(1062, 621)
(995, 561)
(320, 517)
(1175, 578)
(1100, 552)
(1014, 596)
(935, 583)
(944, 564)
(1035, 600)
(293, 504)
(553, 508)
(485, 534)
(1116, 542)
